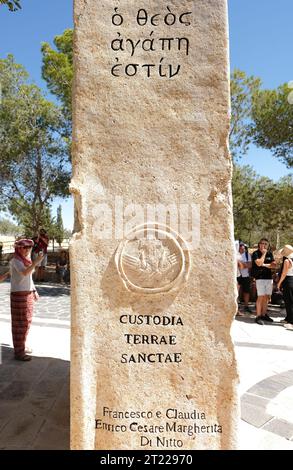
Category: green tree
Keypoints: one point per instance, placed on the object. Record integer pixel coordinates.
(246, 189)
(278, 207)
(9, 228)
(57, 69)
(273, 122)
(25, 218)
(59, 228)
(261, 206)
(67, 233)
(243, 89)
(34, 153)
(13, 5)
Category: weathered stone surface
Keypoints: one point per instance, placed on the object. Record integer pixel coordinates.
(153, 364)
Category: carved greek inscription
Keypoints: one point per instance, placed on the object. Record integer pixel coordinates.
(150, 40)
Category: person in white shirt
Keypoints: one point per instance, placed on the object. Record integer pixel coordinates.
(243, 277)
(23, 295)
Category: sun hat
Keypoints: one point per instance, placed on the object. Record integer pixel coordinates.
(287, 251)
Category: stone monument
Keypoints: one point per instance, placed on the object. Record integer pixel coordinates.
(153, 269)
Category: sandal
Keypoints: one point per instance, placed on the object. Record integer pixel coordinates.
(23, 358)
(240, 314)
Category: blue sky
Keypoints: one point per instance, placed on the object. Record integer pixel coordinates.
(260, 44)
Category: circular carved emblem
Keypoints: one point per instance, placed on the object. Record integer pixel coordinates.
(152, 259)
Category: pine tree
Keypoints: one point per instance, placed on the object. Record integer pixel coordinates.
(59, 228)
(13, 5)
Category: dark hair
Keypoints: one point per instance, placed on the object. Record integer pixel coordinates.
(264, 240)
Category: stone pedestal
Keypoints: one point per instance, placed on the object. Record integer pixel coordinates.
(153, 269)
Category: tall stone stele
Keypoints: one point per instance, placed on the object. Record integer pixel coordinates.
(153, 269)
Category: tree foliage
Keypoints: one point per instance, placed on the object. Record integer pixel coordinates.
(13, 5)
(261, 206)
(26, 219)
(9, 228)
(264, 117)
(34, 153)
(57, 69)
(243, 89)
(59, 228)
(273, 122)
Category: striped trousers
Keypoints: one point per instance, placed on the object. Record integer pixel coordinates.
(22, 305)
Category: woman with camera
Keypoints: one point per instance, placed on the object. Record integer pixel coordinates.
(23, 295)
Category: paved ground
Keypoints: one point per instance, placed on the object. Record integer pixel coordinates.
(264, 355)
(34, 397)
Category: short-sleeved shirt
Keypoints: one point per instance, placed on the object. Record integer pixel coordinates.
(238, 258)
(262, 272)
(245, 258)
(40, 245)
(19, 282)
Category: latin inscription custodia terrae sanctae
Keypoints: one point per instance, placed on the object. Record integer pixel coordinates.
(153, 364)
(151, 260)
(150, 42)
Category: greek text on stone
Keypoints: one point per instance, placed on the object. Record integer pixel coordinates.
(152, 42)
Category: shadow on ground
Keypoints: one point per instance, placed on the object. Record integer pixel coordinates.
(275, 312)
(54, 290)
(249, 319)
(34, 403)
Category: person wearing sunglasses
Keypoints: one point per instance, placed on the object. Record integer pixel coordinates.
(262, 264)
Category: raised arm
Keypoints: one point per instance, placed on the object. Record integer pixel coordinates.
(30, 268)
